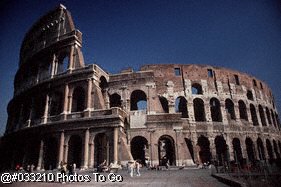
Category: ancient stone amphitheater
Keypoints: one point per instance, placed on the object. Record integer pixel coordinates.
(64, 110)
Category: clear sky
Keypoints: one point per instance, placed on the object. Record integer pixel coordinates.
(244, 35)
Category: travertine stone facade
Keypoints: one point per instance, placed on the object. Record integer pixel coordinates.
(64, 110)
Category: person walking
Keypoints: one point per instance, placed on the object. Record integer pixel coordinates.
(137, 165)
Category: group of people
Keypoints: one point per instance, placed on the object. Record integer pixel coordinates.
(64, 167)
(113, 167)
(134, 166)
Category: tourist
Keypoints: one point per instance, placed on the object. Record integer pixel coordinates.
(137, 166)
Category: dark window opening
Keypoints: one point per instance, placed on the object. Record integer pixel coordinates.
(166, 150)
(276, 149)
(261, 85)
(103, 83)
(199, 111)
(221, 149)
(243, 110)
(56, 104)
(210, 73)
(138, 100)
(250, 95)
(75, 150)
(115, 100)
(273, 118)
(236, 80)
(102, 150)
(250, 149)
(262, 116)
(139, 149)
(229, 107)
(63, 64)
(215, 110)
(181, 106)
(78, 100)
(164, 104)
(254, 82)
(177, 71)
(268, 116)
(204, 149)
(260, 149)
(50, 153)
(269, 149)
(196, 89)
(237, 150)
(254, 115)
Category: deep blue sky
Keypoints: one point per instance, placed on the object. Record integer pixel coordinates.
(238, 34)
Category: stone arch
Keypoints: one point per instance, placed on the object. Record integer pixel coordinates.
(103, 83)
(237, 150)
(203, 144)
(229, 107)
(269, 149)
(254, 115)
(56, 103)
(196, 89)
(50, 153)
(262, 116)
(273, 118)
(181, 106)
(221, 149)
(138, 100)
(268, 115)
(166, 150)
(242, 110)
(275, 147)
(164, 104)
(101, 145)
(260, 149)
(75, 150)
(63, 63)
(139, 148)
(215, 110)
(115, 100)
(250, 95)
(38, 106)
(250, 149)
(199, 110)
(78, 99)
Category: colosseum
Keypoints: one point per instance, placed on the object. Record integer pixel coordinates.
(184, 114)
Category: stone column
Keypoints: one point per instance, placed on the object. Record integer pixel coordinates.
(60, 155)
(65, 99)
(115, 144)
(86, 149)
(89, 94)
(190, 109)
(223, 112)
(53, 66)
(46, 110)
(40, 157)
(71, 59)
(65, 153)
(236, 110)
(92, 155)
(249, 114)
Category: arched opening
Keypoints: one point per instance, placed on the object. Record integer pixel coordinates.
(181, 106)
(164, 104)
(254, 115)
(78, 100)
(115, 100)
(63, 63)
(196, 89)
(273, 118)
(262, 116)
(26, 110)
(199, 111)
(75, 150)
(221, 150)
(166, 150)
(32, 151)
(101, 145)
(138, 100)
(268, 116)
(276, 149)
(242, 110)
(56, 103)
(237, 150)
(139, 148)
(190, 148)
(229, 107)
(38, 107)
(250, 149)
(260, 149)
(269, 149)
(250, 95)
(215, 110)
(50, 153)
(103, 83)
(204, 149)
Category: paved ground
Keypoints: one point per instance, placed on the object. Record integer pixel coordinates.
(184, 178)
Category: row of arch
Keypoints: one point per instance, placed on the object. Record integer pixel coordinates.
(201, 152)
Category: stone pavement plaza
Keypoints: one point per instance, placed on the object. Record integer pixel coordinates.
(184, 178)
